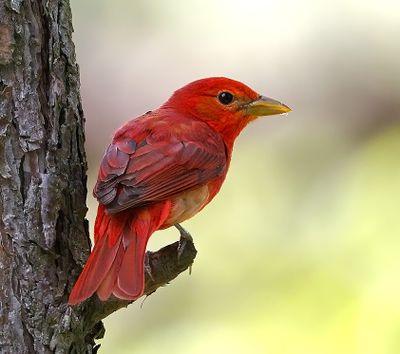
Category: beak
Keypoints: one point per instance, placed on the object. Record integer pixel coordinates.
(265, 106)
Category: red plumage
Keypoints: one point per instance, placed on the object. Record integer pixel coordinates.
(160, 169)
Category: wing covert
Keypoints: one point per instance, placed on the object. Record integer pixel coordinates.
(133, 174)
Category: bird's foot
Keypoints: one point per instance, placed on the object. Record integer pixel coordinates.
(186, 238)
(184, 233)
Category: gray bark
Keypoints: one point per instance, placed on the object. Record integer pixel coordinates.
(44, 238)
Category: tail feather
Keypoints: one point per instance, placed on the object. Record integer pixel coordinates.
(98, 264)
(107, 285)
(131, 275)
(116, 264)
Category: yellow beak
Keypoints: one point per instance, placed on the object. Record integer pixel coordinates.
(266, 106)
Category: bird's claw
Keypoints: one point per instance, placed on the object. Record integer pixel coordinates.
(184, 233)
(183, 241)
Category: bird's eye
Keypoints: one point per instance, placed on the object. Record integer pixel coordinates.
(225, 97)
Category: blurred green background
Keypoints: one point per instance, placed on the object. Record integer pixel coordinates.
(299, 253)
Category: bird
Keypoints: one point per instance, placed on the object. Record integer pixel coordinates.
(161, 169)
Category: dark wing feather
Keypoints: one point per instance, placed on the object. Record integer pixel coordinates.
(133, 174)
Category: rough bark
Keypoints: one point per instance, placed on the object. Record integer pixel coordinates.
(43, 232)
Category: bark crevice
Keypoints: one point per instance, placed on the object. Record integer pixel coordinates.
(44, 238)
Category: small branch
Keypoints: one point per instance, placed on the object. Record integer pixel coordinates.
(166, 264)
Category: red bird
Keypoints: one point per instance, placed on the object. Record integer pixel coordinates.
(161, 169)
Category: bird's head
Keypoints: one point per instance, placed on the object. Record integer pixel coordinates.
(224, 104)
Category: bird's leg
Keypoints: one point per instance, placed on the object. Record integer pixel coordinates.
(185, 238)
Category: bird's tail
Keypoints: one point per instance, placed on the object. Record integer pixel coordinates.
(116, 264)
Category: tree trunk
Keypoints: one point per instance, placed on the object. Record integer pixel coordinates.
(44, 235)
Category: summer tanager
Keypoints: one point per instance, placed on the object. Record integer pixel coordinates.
(161, 169)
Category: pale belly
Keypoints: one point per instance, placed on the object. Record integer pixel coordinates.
(187, 205)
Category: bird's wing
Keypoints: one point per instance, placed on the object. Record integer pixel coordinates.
(167, 161)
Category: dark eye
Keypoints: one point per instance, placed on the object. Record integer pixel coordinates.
(225, 97)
